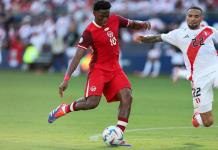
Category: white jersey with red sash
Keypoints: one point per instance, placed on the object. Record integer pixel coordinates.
(198, 49)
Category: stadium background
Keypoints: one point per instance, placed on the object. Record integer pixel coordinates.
(53, 27)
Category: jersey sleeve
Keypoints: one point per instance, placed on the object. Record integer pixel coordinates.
(171, 38)
(85, 40)
(123, 22)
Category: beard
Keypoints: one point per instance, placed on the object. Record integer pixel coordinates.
(193, 27)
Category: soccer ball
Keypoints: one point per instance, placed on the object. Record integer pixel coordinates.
(112, 135)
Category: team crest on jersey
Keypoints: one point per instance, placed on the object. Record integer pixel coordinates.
(110, 34)
(93, 88)
(81, 40)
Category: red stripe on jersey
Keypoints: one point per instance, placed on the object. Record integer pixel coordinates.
(194, 48)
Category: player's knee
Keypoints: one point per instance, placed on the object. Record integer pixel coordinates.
(207, 119)
(208, 123)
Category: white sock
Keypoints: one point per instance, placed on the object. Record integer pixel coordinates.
(199, 120)
(72, 106)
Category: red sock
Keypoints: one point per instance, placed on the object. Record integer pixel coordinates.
(70, 107)
(122, 123)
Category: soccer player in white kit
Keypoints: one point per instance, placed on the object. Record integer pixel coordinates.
(201, 61)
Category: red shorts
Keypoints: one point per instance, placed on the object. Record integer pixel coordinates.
(107, 82)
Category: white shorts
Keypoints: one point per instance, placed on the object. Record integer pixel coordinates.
(202, 92)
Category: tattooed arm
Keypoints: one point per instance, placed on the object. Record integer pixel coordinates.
(148, 39)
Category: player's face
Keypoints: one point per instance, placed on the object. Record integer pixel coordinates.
(101, 16)
(194, 18)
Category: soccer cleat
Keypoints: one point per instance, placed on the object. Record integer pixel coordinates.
(123, 143)
(194, 120)
(56, 113)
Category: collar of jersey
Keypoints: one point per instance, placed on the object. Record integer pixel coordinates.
(96, 24)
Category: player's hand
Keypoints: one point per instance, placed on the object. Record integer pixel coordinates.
(138, 38)
(147, 25)
(62, 88)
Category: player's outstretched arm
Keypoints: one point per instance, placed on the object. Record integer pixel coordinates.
(148, 39)
(139, 25)
(71, 68)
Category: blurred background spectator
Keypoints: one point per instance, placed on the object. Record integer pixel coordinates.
(52, 29)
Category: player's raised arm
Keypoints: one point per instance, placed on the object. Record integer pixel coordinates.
(148, 39)
(71, 68)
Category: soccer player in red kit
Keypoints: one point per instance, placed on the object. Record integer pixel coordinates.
(105, 74)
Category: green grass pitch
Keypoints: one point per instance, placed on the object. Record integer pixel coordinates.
(160, 117)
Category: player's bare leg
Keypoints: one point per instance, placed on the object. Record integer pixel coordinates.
(125, 98)
(205, 119)
(88, 103)
(81, 104)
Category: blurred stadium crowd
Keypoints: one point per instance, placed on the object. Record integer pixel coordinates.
(41, 34)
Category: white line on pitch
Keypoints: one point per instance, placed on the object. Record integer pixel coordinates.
(96, 137)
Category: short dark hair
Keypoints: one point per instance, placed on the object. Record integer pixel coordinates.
(101, 5)
(196, 7)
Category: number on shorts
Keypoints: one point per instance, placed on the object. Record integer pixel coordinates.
(196, 92)
(197, 100)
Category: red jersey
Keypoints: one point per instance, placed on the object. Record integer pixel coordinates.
(103, 41)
